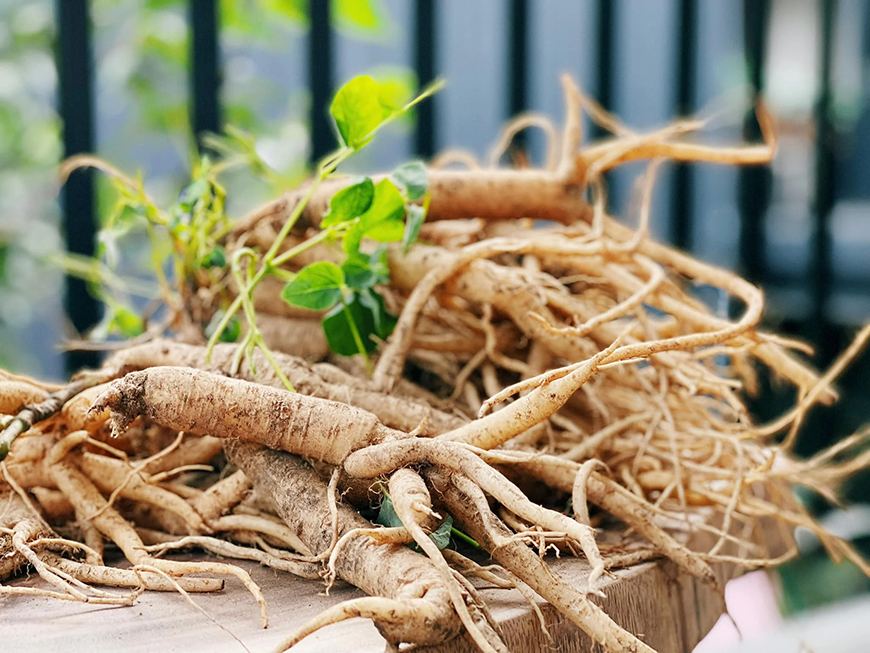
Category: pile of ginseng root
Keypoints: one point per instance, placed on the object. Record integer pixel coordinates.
(540, 345)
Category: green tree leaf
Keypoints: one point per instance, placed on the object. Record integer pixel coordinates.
(416, 216)
(317, 286)
(413, 178)
(349, 203)
(358, 111)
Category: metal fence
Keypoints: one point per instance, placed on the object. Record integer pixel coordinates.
(753, 191)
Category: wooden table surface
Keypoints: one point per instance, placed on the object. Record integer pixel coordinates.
(669, 611)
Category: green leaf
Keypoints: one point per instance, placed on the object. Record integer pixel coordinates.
(366, 270)
(216, 258)
(382, 221)
(387, 517)
(357, 110)
(197, 190)
(358, 273)
(387, 514)
(317, 286)
(363, 15)
(232, 332)
(413, 178)
(416, 216)
(382, 321)
(126, 323)
(378, 264)
(339, 335)
(441, 535)
(370, 317)
(349, 203)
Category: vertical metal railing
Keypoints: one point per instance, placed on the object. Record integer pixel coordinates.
(320, 82)
(753, 196)
(518, 62)
(687, 55)
(204, 67)
(425, 42)
(825, 192)
(605, 56)
(76, 107)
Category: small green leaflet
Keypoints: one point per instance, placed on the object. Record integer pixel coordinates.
(416, 215)
(382, 221)
(370, 317)
(349, 203)
(413, 178)
(216, 258)
(387, 517)
(358, 272)
(230, 334)
(316, 286)
(366, 270)
(358, 111)
(126, 323)
(197, 190)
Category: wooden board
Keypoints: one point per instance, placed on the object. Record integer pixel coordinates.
(669, 611)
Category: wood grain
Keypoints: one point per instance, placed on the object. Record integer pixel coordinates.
(670, 611)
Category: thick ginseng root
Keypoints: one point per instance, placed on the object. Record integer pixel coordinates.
(468, 504)
(320, 380)
(202, 403)
(408, 601)
(412, 504)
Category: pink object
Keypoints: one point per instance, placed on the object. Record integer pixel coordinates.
(751, 601)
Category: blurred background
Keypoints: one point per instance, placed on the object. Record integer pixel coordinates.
(134, 80)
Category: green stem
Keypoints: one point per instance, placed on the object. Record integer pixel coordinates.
(269, 260)
(356, 337)
(268, 354)
(465, 538)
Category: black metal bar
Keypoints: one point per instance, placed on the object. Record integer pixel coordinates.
(320, 71)
(687, 55)
(75, 93)
(825, 196)
(205, 113)
(605, 24)
(754, 181)
(424, 63)
(518, 62)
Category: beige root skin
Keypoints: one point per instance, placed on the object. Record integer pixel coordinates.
(206, 404)
(301, 500)
(323, 381)
(468, 503)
